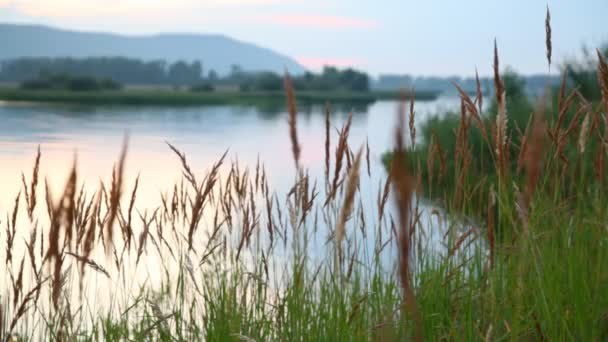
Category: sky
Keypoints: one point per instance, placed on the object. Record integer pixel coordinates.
(421, 37)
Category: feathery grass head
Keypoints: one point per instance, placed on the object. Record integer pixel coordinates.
(548, 36)
(602, 75)
(292, 119)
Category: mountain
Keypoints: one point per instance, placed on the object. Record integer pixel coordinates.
(215, 51)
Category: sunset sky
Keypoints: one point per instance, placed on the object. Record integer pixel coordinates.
(399, 36)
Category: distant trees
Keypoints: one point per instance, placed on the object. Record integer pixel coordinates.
(65, 82)
(43, 73)
(120, 69)
(264, 81)
(180, 73)
(583, 73)
(212, 76)
(333, 79)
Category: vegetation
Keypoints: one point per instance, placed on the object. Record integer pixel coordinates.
(120, 69)
(179, 73)
(441, 131)
(534, 84)
(65, 82)
(203, 94)
(239, 261)
(583, 74)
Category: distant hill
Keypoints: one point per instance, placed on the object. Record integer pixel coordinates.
(216, 52)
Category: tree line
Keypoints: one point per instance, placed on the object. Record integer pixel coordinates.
(122, 70)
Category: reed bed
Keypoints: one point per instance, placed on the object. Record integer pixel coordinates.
(224, 257)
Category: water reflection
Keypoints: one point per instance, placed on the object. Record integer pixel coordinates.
(204, 133)
(95, 135)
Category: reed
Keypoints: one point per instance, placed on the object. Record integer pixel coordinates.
(548, 44)
(292, 120)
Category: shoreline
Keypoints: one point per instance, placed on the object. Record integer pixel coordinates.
(158, 97)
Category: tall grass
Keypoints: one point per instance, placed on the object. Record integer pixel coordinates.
(224, 257)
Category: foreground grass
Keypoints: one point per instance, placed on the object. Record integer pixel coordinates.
(187, 98)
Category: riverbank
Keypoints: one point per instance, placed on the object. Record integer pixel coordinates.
(139, 96)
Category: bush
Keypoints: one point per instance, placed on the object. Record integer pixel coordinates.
(36, 85)
(441, 130)
(204, 87)
(83, 84)
(583, 74)
(110, 84)
(62, 81)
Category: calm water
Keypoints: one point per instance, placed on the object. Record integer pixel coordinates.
(95, 134)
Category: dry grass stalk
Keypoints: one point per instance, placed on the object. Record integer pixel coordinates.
(11, 231)
(564, 105)
(2, 321)
(30, 250)
(115, 194)
(30, 197)
(129, 228)
(57, 280)
(548, 36)
(501, 117)
(89, 262)
(18, 283)
(461, 147)
(369, 171)
(491, 234)
(442, 157)
(62, 216)
(89, 237)
(470, 107)
(599, 163)
(488, 337)
(602, 76)
(201, 196)
(384, 198)
(341, 150)
(270, 222)
(430, 163)
(463, 155)
(292, 119)
(412, 121)
(498, 85)
(524, 145)
(349, 198)
(479, 95)
(143, 237)
(581, 111)
(561, 95)
(349, 158)
(404, 186)
(458, 243)
(187, 172)
(534, 153)
(584, 133)
(327, 141)
(23, 308)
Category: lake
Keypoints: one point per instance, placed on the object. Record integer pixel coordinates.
(95, 135)
(93, 138)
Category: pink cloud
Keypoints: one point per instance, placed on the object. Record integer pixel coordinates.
(317, 63)
(319, 21)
